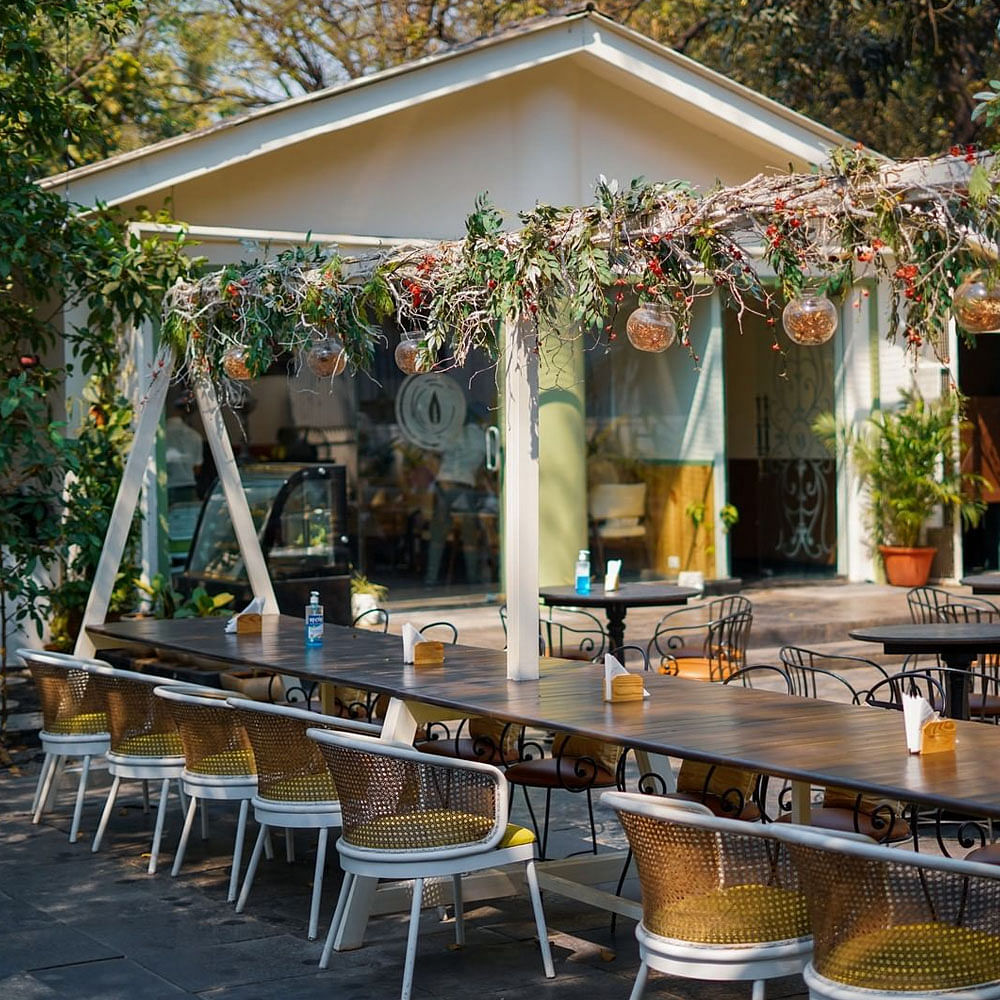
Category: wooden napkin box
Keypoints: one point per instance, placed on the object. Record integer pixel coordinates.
(937, 736)
(248, 623)
(626, 687)
(429, 653)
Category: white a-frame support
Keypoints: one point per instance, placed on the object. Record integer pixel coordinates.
(150, 409)
(520, 467)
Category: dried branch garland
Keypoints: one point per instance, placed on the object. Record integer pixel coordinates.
(919, 225)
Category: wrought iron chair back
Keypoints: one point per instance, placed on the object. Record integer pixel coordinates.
(830, 676)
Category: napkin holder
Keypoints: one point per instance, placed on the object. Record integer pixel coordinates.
(937, 736)
(248, 623)
(626, 687)
(428, 653)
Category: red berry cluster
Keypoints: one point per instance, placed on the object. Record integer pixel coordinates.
(968, 152)
(907, 274)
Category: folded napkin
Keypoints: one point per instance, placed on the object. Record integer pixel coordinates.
(916, 713)
(411, 637)
(256, 606)
(611, 577)
(613, 668)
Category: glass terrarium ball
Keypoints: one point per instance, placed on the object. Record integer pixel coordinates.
(408, 357)
(976, 303)
(327, 357)
(236, 363)
(810, 319)
(651, 327)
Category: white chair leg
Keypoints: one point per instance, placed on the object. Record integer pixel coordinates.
(758, 989)
(185, 833)
(411, 939)
(338, 915)
(204, 820)
(640, 982)
(81, 789)
(106, 815)
(456, 889)
(241, 832)
(161, 815)
(289, 845)
(43, 786)
(58, 773)
(317, 892)
(251, 869)
(268, 846)
(543, 934)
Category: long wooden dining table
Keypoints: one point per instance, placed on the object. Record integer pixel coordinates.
(806, 741)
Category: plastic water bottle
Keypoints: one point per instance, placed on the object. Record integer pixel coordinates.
(314, 620)
(583, 572)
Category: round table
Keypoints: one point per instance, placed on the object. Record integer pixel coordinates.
(957, 645)
(982, 583)
(617, 602)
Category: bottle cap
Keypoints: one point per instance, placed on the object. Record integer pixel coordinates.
(584, 554)
(314, 597)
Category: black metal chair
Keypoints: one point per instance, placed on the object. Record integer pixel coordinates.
(814, 674)
(376, 619)
(723, 649)
(933, 684)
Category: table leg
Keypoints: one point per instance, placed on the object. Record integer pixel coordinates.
(957, 684)
(616, 627)
(801, 802)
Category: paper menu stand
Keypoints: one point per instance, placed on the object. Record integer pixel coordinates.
(926, 732)
(937, 736)
(248, 621)
(411, 636)
(613, 575)
(619, 684)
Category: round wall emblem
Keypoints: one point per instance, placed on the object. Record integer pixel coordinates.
(430, 410)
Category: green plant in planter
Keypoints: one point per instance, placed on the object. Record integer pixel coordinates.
(360, 584)
(906, 461)
(165, 602)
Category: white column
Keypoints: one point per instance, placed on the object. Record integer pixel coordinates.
(150, 407)
(232, 485)
(521, 500)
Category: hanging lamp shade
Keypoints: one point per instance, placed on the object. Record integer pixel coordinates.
(327, 357)
(408, 356)
(809, 319)
(651, 327)
(976, 303)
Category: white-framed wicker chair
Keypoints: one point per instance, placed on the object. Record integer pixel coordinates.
(294, 790)
(74, 724)
(219, 763)
(145, 743)
(720, 898)
(408, 815)
(895, 925)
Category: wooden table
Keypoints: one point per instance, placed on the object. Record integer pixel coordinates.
(617, 602)
(806, 741)
(957, 644)
(982, 583)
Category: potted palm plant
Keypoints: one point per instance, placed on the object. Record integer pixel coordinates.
(905, 460)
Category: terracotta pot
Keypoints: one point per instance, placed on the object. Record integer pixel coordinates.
(906, 567)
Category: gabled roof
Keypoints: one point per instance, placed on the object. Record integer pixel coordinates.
(614, 52)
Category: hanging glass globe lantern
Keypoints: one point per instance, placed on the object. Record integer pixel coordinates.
(235, 363)
(809, 319)
(976, 303)
(408, 356)
(327, 358)
(651, 327)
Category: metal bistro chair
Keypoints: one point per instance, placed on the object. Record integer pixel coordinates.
(408, 815)
(219, 764)
(294, 789)
(74, 724)
(932, 683)
(723, 650)
(720, 898)
(145, 744)
(681, 631)
(895, 925)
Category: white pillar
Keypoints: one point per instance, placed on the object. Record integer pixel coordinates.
(521, 500)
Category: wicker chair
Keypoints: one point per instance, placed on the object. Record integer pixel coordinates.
(145, 743)
(294, 790)
(219, 763)
(720, 898)
(408, 815)
(892, 924)
(74, 724)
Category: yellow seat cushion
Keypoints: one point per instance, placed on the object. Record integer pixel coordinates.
(699, 668)
(87, 723)
(915, 958)
(739, 914)
(603, 754)
(432, 828)
(231, 762)
(152, 745)
(300, 788)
